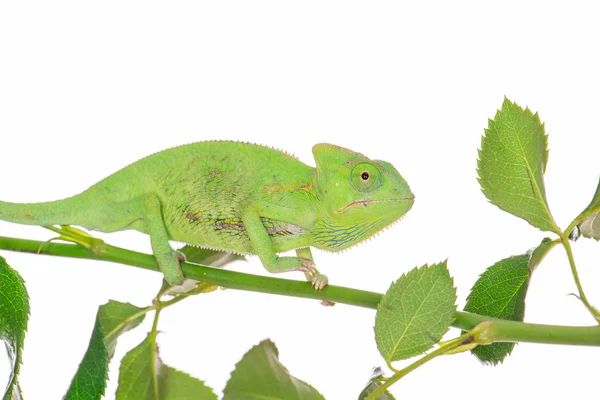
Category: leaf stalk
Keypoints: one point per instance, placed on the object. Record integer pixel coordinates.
(567, 245)
(446, 347)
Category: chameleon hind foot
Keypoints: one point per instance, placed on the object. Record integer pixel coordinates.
(69, 234)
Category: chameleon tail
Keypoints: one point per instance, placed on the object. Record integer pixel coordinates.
(60, 212)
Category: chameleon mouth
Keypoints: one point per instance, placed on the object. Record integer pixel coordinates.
(365, 203)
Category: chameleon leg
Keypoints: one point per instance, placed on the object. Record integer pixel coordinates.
(166, 257)
(262, 246)
(318, 280)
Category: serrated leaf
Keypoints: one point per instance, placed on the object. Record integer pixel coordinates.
(415, 313)
(590, 223)
(512, 162)
(500, 293)
(143, 376)
(537, 254)
(374, 383)
(90, 379)
(260, 375)
(117, 318)
(213, 258)
(112, 320)
(138, 372)
(14, 314)
(178, 385)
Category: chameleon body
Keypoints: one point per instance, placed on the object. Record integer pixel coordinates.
(237, 197)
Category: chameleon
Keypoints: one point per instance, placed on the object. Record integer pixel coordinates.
(238, 197)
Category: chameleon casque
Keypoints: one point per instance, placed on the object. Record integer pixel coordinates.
(238, 197)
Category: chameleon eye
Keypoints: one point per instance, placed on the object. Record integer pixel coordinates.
(365, 177)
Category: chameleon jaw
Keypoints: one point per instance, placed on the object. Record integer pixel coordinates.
(357, 203)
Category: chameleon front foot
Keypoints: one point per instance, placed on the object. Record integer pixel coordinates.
(318, 281)
(302, 264)
(286, 264)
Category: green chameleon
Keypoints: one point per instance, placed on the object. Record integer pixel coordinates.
(238, 197)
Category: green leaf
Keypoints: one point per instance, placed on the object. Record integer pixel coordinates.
(590, 218)
(537, 254)
(144, 376)
(373, 386)
(260, 375)
(14, 314)
(112, 320)
(89, 381)
(500, 293)
(374, 383)
(512, 162)
(138, 375)
(117, 318)
(415, 313)
(178, 385)
(213, 258)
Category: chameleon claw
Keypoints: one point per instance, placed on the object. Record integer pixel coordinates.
(319, 281)
(180, 256)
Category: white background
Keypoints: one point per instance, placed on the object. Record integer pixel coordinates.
(86, 89)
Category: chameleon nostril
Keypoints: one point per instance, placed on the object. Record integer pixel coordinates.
(394, 190)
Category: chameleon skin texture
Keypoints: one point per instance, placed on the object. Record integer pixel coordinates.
(237, 197)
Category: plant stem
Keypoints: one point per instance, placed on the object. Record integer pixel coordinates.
(428, 357)
(154, 350)
(508, 331)
(567, 245)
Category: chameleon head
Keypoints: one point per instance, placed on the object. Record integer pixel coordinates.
(360, 196)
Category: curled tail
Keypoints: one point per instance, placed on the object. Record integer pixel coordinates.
(60, 212)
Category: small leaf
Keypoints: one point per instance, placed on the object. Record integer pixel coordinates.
(415, 313)
(178, 385)
(590, 227)
(537, 254)
(590, 218)
(213, 258)
(14, 314)
(374, 383)
(144, 376)
(117, 318)
(89, 381)
(260, 375)
(373, 386)
(138, 375)
(500, 293)
(112, 320)
(512, 162)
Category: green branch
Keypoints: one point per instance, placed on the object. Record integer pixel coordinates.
(506, 331)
